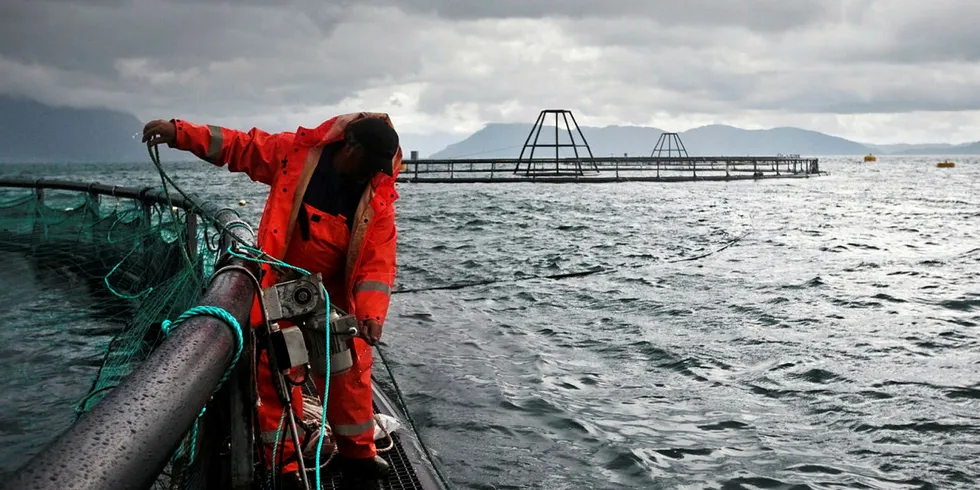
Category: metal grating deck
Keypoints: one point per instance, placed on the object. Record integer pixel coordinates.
(402, 477)
(405, 459)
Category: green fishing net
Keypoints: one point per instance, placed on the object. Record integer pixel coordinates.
(106, 272)
(129, 263)
(99, 273)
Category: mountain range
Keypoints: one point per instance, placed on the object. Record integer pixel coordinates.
(498, 140)
(34, 132)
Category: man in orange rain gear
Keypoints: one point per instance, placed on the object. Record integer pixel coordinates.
(330, 210)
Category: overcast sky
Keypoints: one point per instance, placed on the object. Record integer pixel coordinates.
(879, 71)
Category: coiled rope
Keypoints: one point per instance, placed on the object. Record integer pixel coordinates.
(221, 314)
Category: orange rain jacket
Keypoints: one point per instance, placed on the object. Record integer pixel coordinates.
(285, 161)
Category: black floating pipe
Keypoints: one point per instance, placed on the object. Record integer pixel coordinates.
(126, 440)
(147, 194)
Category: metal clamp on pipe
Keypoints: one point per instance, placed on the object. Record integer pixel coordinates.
(302, 302)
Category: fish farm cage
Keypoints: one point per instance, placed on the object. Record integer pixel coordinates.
(568, 158)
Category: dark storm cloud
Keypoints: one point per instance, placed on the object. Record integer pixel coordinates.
(763, 15)
(220, 58)
(946, 32)
(842, 63)
(909, 32)
(90, 37)
(447, 62)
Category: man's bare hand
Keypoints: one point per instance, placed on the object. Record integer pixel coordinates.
(160, 132)
(371, 331)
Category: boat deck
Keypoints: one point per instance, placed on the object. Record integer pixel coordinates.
(410, 467)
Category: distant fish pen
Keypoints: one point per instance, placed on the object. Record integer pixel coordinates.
(622, 169)
(668, 162)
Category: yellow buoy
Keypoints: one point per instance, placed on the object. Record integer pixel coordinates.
(945, 164)
(242, 202)
(870, 158)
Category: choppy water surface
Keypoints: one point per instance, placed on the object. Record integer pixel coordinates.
(834, 344)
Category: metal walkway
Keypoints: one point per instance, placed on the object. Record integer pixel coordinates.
(410, 467)
(608, 169)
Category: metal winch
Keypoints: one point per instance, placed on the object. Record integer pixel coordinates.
(302, 302)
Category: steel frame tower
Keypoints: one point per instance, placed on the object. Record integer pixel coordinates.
(562, 167)
(672, 142)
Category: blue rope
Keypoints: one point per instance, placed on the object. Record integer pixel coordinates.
(326, 387)
(273, 261)
(113, 290)
(326, 383)
(221, 314)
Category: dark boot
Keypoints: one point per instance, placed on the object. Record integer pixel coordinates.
(291, 481)
(362, 473)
